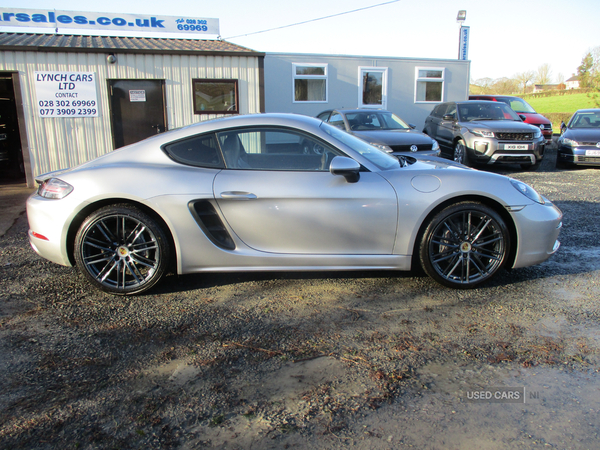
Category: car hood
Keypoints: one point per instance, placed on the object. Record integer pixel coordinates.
(582, 134)
(535, 118)
(500, 125)
(393, 137)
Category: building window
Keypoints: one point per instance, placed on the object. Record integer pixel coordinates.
(372, 89)
(429, 84)
(213, 96)
(310, 83)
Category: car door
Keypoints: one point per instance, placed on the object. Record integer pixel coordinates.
(280, 203)
(446, 128)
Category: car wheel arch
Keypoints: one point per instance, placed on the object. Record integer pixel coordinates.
(491, 203)
(89, 209)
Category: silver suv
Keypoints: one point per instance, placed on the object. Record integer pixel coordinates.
(484, 132)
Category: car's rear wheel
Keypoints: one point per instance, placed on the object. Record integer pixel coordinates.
(122, 250)
(464, 245)
(460, 153)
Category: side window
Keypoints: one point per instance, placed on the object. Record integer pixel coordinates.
(439, 110)
(451, 109)
(429, 84)
(324, 116)
(310, 83)
(274, 149)
(199, 151)
(337, 120)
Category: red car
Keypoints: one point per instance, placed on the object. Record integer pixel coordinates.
(522, 108)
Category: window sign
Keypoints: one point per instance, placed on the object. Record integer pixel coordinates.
(66, 94)
(41, 18)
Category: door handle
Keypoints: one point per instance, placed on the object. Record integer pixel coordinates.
(238, 195)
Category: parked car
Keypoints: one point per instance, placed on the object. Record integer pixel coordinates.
(579, 142)
(383, 129)
(483, 132)
(239, 194)
(524, 110)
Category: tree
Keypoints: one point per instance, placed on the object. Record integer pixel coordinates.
(584, 71)
(524, 78)
(544, 74)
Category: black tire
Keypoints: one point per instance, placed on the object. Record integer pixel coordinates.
(122, 250)
(461, 155)
(561, 164)
(464, 245)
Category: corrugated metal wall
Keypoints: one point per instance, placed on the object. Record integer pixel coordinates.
(58, 143)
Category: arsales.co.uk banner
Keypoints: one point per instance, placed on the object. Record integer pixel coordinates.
(33, 18)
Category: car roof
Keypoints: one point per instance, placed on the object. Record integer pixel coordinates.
(350, 110)
(588, 110)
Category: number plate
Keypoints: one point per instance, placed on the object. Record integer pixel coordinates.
(592, 153)
(515, 147)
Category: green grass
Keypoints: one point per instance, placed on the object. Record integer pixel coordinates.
(561, 103)
(558, 108)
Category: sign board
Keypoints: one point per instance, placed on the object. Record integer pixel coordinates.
(137, 96)
(66, 94)
(40, 18)
(463, 44)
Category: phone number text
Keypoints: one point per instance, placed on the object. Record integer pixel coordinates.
(67, 112)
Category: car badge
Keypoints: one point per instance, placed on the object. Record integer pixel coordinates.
(413, 148)
(542, 127)
(598, 144)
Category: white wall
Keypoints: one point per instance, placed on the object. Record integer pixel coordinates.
(343, 83)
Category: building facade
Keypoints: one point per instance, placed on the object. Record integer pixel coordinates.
(410, 87)
(78, 97)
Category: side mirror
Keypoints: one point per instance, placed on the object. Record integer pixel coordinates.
(346, 167)
(563, 127)
(523, 117)
(412, 126)
(448, 117)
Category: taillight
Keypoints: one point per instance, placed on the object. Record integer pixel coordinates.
(55, 189)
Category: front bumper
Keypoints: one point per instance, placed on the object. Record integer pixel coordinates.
(584, 155)
(538, 227)
(492, 151)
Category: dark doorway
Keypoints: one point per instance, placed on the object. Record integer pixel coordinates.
(137, 109)
(11, 157)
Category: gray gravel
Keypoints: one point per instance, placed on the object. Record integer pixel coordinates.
(367, 360)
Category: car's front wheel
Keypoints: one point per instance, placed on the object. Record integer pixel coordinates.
(464, 245)
(122, 250)
(460, 153)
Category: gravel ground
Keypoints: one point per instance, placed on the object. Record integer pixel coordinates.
(368, 360)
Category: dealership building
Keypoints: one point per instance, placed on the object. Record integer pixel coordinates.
(67, 98)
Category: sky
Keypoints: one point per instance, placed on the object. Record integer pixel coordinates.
(507, 37)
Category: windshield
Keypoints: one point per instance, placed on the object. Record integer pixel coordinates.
(375, 120)
(475, 111)
(586, 120)
(518, 105)
(378, 157)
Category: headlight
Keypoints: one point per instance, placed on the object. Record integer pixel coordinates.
(538, 133)
(527, 191)
(483, 133)
(54, 189)
(570, 142)
(382, 147)
(435, 147)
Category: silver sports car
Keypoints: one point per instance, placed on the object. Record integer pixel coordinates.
(287, 193)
